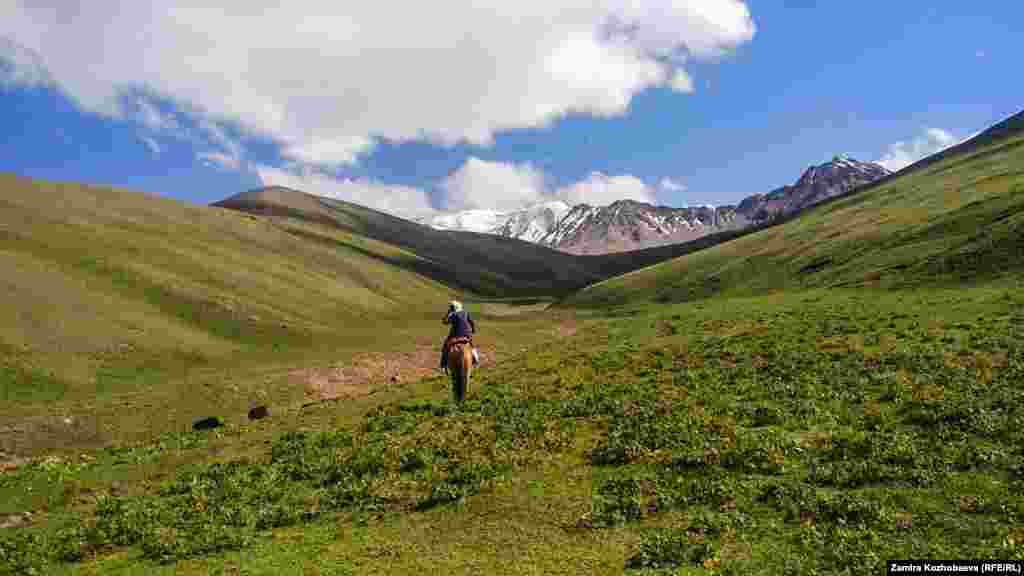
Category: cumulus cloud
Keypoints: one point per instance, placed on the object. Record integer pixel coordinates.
(902, 154)
(496, 185)
(403, 201)
(504, 186)
(150, 145)
(20, 66)
(326, 80)
(599, 189)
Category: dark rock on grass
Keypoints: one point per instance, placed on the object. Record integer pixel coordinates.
(258, 413)
(207, 423)
(15, 520)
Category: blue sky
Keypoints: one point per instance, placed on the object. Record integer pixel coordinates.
(673, 102)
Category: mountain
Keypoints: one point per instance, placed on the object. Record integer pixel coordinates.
(628, 225)
(817, 183)
(534, 223)
(951, 218)
(530, 224)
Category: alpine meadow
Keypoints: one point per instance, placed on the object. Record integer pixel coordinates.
(645, 288)
(814, 396)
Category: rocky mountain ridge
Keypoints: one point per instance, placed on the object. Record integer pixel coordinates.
(630, 225)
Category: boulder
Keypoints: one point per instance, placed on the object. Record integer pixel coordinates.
(207, 423)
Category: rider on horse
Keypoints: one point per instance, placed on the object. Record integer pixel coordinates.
(462, 328)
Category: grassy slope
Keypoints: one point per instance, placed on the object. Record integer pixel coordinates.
(950, 221)
(488, 265)
(798, 433)
(122, 296)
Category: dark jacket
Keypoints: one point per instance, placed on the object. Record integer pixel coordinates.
(462, 324)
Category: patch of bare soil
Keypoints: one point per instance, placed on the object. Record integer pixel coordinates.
(9, 463)
(365, 373)
(566, 329)
(373, 371)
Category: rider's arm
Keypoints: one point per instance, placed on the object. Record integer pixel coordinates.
(471, 323)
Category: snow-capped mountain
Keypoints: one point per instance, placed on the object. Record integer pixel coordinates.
(486, 221)
(630, 225)
(533, 223)
(529, 224)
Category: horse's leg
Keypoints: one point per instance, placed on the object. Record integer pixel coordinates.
(458, 376)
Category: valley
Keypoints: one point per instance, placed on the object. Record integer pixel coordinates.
(813, 395)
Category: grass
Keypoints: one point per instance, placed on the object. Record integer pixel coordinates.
(799, 433)
(176, 308)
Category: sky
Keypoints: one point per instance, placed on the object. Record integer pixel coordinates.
(420, 107)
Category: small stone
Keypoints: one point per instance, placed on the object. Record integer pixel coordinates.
(584, 524)
(258, 413)
(968, 504)
(904, 522)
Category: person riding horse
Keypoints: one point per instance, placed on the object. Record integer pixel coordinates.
(462, 327)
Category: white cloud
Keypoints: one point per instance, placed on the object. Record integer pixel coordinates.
(403, 201)
(902, 154)
(481, 184)
(219, 160)
(328, 79)
(496, 185)
(20, 66)
(150, 144)
(598, 189)
(670, 185)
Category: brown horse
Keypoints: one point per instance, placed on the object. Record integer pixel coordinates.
(460, 365)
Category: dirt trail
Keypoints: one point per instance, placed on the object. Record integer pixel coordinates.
(373, 371)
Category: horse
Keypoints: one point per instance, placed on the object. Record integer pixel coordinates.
(460, 365)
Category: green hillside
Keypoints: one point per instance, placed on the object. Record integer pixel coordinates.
(115, 295)
(953, 219)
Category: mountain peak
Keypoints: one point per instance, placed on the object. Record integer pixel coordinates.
(630, 224)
